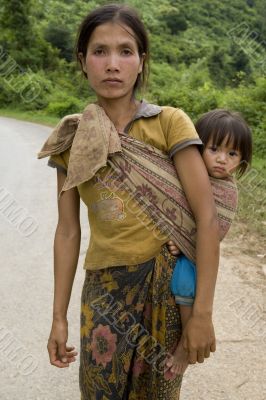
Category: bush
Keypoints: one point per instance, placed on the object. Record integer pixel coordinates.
(251, 102)
(60, 108)
(26, 90)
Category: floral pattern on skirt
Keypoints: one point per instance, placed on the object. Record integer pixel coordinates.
(129, 323)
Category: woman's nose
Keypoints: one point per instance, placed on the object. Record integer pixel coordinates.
(112, 64)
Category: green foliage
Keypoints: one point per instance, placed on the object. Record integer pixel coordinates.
(174, 20)
(28, 89)
(251, 102)
(60, 37)
(205, 54)
(15, 19)
(21, 39)
(64, 105)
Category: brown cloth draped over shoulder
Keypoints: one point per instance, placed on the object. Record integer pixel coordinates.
(146, 173)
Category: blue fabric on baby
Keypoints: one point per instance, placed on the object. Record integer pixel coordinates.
(183, 282)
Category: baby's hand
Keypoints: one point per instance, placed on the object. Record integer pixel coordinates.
(172, 248)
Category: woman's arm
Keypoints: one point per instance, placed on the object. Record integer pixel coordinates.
(198, 336)
(66, 254)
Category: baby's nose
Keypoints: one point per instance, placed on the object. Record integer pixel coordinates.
(222, 157)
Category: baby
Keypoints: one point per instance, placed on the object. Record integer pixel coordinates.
(227, 149)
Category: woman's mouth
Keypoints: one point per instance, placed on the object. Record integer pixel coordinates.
(112, 80)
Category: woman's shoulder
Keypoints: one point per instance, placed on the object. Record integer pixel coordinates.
(174, 119)
(165, 113)
(61, 137)
(173, 113)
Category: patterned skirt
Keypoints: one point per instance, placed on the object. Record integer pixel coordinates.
(129, 324)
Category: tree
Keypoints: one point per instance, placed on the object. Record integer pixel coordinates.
(16, 21)
(240, 65)
(175, 21)
(60, 37)
(217, 64)
(21, 39)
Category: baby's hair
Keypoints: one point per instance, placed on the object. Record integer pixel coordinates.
(218, 124)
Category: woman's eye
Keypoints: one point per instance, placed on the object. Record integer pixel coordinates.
(98, 52)
(126, 52)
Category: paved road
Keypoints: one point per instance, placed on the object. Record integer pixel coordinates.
(27, 223)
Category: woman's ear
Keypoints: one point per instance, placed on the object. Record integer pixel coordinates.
(142, 58)
(82, 62)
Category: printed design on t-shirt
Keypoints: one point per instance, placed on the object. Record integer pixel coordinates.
(109, 208)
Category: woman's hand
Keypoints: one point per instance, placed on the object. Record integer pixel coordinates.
(60, 354)
(172, 248)
(198, 338)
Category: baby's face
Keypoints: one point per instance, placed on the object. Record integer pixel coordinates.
(221, 161)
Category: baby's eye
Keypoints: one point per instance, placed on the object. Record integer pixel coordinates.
(213, 148)
(233, 153)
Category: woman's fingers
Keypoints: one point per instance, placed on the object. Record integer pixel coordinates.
(70, 351)
(62, 352)
(71, 360)
(207, 353)
(199, 338)
(213, 347)
(59, 352)
(192, 357)
(69, 348)
(52, 350)
(200, 356)
(197, 355)
(53, 355)
(192, 354)
(71, 355)
(60, 364)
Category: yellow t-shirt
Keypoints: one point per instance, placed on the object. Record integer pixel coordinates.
(121, 234)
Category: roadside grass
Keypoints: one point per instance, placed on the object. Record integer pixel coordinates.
(252, 198)
(38, 117)
(249, 227)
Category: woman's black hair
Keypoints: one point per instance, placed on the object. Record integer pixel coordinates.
(116, 13)
(218, 124)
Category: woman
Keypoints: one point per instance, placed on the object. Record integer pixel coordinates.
(129, 320)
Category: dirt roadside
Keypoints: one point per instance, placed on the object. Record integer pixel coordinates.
(237, 370)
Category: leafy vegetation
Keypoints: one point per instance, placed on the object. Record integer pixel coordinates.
(205, 54)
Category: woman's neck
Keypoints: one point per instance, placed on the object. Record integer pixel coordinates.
(120, 111)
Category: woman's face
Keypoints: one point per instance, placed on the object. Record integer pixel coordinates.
(112, 62)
